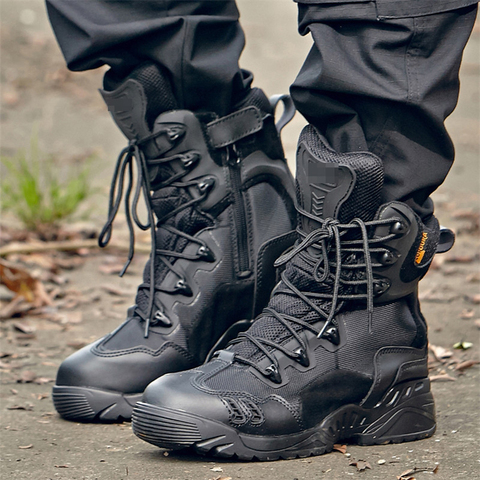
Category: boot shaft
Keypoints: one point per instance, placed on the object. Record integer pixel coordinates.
(222, 195)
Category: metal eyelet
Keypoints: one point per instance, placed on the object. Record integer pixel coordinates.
(398, 228)
(182, 287)
(174, 133)
(302, 357)
(161, 317)
(205, 254)
(189, 158)
(206, 185)
(388, 258)
(380, 287)
(331, 334)
(273, 373)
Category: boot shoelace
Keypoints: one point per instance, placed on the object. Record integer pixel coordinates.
(337, 254)
(131, 156)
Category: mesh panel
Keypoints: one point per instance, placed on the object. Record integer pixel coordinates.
(392, 325)
(365, 197)
(301, 275)
(157, 88)
(240, 375)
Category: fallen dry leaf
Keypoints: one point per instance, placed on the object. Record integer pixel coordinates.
(25, 447)
(442, 378)
(111, 269)
(43, 380)
(27, 376)
(23, 284)
(467, 313)
(23, 327)
(340, 448)
(467, 364)
(473, 277)
(407, 474)
(360, 464)
(17, 306)
(41, 260)
(74, 317)
(77, 344)
(115, 291)
(28, 407)
(475, 299)
(11, 97)
(50, 364)
(69, 263)
(25, 336)
(440, 353)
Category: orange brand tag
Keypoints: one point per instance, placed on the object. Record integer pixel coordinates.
(421, 249)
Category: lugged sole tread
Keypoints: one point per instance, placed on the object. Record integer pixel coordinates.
(83, 404)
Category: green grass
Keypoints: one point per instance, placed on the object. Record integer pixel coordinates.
(40, 191)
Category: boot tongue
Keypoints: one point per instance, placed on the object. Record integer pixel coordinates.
(139, 99)
(342, 186)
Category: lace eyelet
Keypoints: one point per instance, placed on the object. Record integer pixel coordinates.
(273, 374)
(182, 287)
(174, 133)
(388, 258)
(380, 286)
(206, 185)
(161, 317)
(302, 357)
(205, 254)
(398, 228)
(331, 334)
(190, 158)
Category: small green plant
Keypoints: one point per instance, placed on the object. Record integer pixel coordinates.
(38, 191)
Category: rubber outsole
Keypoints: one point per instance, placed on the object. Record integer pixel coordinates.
(406, 414)
(83, 404)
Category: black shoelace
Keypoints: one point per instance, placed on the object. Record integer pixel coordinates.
(341, 248)
(131, 156)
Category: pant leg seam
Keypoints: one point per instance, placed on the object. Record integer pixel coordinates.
(382, 140)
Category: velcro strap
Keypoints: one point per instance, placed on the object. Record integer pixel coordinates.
(233, 127)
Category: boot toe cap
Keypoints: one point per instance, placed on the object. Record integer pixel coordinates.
(122, 371)
(177, 391)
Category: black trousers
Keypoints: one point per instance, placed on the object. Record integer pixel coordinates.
(381, 76)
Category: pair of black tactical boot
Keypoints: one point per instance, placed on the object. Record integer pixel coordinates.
(338, 352)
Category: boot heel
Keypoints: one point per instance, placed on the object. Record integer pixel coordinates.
(406, 413)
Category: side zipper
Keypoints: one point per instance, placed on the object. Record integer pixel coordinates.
(239, 215)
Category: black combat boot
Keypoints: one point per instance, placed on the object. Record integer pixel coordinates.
(221, 192)
(339, 354)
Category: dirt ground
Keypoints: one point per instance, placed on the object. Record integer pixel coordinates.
(38, 94)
